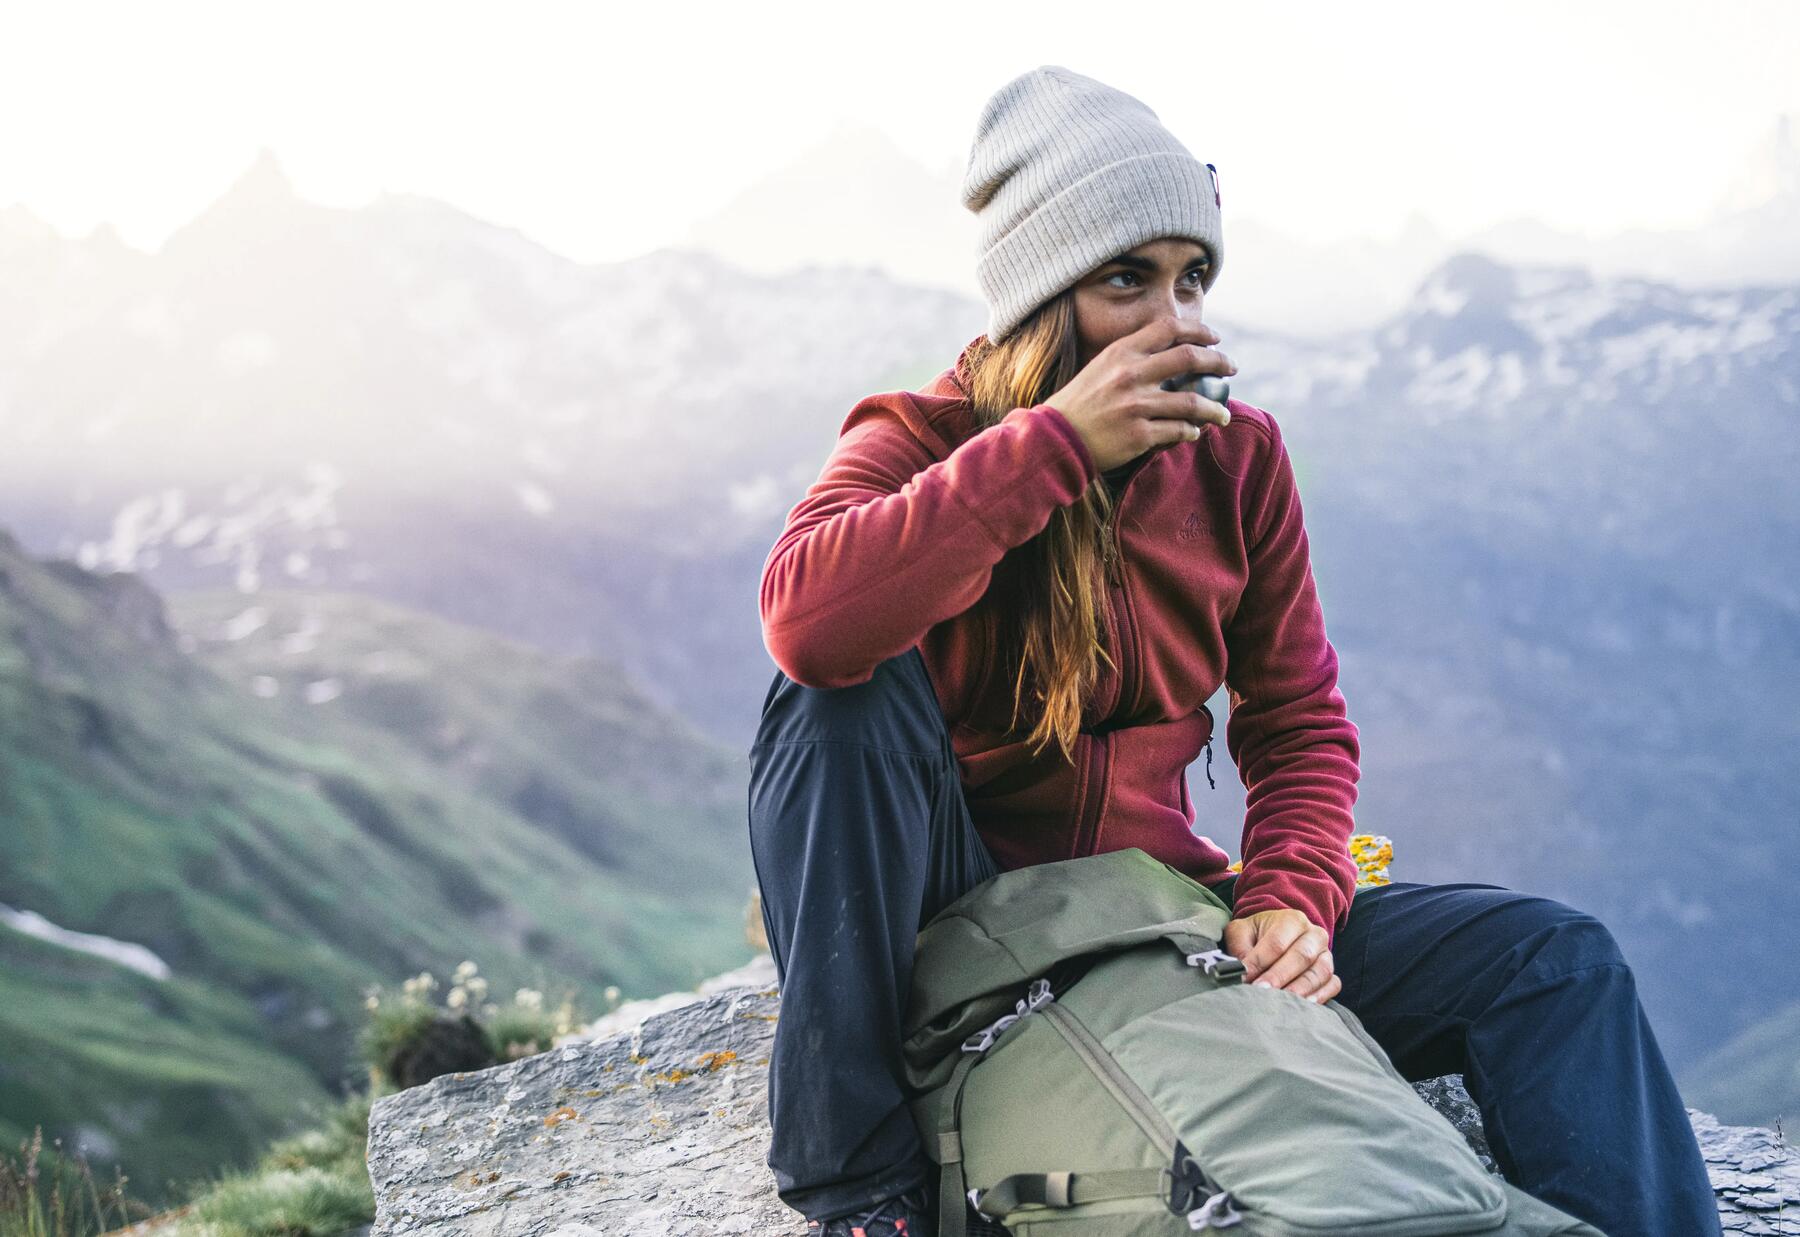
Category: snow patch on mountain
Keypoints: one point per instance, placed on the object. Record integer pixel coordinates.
(122, 953)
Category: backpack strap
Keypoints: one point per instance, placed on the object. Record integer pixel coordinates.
(1192, 1193)
(1072, 1189)
(953, 1217)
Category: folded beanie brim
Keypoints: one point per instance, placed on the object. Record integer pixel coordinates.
(1104, 214)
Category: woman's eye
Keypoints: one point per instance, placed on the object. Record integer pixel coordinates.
(1199, 274)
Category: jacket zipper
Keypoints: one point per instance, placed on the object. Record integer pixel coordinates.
(1093, 803)
(1128, 651)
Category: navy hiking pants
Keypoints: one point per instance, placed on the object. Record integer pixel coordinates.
(860, 835)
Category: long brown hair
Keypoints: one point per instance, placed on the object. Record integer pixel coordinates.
(1053, 643)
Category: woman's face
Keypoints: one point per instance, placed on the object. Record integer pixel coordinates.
(1158, 278)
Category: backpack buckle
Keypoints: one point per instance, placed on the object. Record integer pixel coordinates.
(1035, 999)
(1215, 1212)
(1186, 1181)
(1218, 964)
(984, 1039)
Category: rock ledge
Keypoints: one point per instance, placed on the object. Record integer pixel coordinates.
(663, 1128)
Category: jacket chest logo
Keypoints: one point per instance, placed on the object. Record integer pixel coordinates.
(1193, 528)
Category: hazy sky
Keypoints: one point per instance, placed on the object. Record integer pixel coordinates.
(603, 130)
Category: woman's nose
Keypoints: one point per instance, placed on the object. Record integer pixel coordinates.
(1180, 303)
(1184, 303)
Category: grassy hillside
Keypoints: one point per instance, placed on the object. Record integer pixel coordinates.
(1753, 1078)
(171, 1074)
(169, 778)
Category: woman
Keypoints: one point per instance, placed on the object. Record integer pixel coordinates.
(998, 616)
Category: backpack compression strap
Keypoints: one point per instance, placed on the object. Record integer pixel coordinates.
(953, 1216)
(1184, 1196)
(1072, 1189)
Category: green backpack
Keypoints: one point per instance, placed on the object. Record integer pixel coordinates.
(1130, 1082)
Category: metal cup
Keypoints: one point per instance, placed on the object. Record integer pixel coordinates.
(1210, 386)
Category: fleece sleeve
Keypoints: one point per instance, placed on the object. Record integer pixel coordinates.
(889, 542)
(1289, 734)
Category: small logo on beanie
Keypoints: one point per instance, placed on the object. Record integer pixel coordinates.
(1193, 528)
(1214, 173)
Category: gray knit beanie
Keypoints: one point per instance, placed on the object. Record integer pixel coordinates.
(1066, 172)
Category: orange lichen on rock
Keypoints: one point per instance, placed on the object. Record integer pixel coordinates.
(1372, 852)
(565, 1113)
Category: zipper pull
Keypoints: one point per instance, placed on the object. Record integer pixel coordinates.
(1214, 785)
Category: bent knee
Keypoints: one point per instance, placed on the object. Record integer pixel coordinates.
(1564, 939)
(895, 709)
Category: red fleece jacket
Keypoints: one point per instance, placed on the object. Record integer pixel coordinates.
(908, 527)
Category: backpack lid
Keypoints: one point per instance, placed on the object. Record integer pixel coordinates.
(974, 957)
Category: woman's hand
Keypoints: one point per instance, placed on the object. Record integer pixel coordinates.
(1284, 949)
(1117, 404)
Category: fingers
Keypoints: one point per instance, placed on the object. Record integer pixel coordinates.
(1166, 431)
(1275, 934)
(1185, 406)
(1185, 358)
(1169, 330)
(1239, 938)
(1314, 980)
(1284, 950)
(1304, 964)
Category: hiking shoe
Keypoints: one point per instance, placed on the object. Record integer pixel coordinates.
(907, 1214)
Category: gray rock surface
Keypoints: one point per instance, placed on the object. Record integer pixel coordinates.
(662, 1130)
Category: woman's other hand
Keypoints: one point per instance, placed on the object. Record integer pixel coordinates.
(1284, 949)
(1117, 404)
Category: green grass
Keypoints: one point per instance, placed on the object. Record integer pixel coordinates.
(1753, 1078)
(176, 1071)
(45, 1193)
(314, 1184)
(464, 795)
(289, 1202)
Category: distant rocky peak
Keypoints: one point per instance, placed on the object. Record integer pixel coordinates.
(19, 225)
(1464, 281)
(260, 201)
(1770, 173)
(261, 184)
